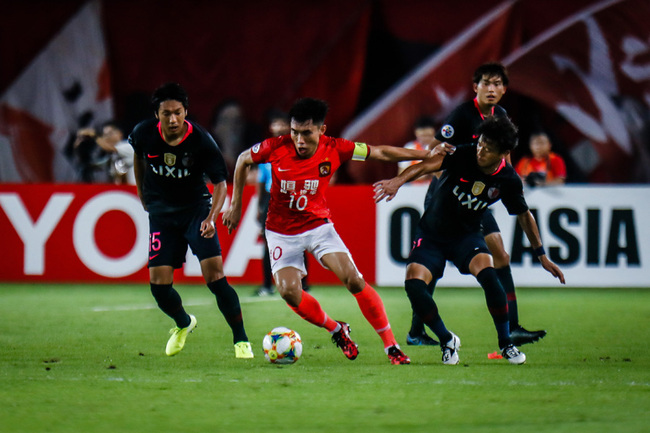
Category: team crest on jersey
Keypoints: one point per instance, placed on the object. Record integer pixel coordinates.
(478, 188)
(256, 148)
(324, 168)
(493, 192)
(170, 159)
(447, 131)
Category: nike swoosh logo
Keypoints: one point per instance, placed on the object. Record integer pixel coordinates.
(153, 257)
(284, 169)
(152, 156)
(463, 180)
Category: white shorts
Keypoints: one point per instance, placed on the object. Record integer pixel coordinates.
(289, 250)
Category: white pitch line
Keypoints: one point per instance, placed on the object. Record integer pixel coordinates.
(469, 384)
(246, 300)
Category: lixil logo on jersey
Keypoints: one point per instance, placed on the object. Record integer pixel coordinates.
(171, 172)
(447, 131)
(468, 200)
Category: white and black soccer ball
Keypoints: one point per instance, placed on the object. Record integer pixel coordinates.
(282, 346)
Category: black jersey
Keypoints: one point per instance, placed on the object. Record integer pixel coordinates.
(460, 128)
(464, 193)
(174, 177)
(461, 124)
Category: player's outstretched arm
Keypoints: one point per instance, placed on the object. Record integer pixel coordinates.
(232, 215)
(388, 188)
(529, 226)
(395, 154)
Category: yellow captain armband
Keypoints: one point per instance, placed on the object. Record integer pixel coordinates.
(361, 152)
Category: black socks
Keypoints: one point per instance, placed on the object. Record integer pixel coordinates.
(228, 303)
(169, 301)
(424, 306)
(505, 276)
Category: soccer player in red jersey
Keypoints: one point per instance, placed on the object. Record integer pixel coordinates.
(299, 219)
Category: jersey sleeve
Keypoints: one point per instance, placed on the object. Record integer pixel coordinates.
(261, 151)
(349, 150)
(216, 169)
(452, 127)
(360, 152)
(134, 140)
(514, 200)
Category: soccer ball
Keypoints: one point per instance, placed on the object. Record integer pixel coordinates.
(282, 346)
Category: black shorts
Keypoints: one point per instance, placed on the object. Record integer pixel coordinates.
(489, 224)
(171, 233)
(433, 254)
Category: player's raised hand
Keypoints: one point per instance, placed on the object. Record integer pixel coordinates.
(231, 218)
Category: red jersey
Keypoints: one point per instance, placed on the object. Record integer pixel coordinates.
(298, 199)
(553, 166)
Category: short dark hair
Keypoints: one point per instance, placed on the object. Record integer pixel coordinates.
(169, 92)
(491, 69)
(306, 109)
(499, 131)
(424, 122)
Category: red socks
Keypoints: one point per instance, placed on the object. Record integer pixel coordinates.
(310, 310)
(373, 310)
(370, 304)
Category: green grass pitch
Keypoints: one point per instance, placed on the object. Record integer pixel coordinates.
(90, 358)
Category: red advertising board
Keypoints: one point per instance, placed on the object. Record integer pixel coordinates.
(99, 233)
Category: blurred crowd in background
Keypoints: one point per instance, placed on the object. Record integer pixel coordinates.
(580, 74)
(105, 156)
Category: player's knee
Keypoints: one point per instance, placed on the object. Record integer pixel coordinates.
(212, 269)
(161, 275)
(501, 258)
(354, 282)
(291, 295)
(497, 250)
(415, 288)
(213, 276)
